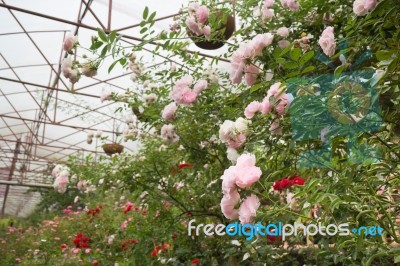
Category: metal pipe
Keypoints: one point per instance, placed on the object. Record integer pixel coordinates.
(10, 183)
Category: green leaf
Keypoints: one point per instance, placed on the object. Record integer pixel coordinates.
(291, 65)
(384, 55)
(96, 45)
(339, 70)
(292, 74)
(122, 61)
(295, 54)
(256, 87)
(113, 34)
(104, 51)
(145, 13)
(143, 30)
(287, 49)
(308, 69)
(306, 57)
(280, 60)
(152, 16)
(102, 35)
(113, 65)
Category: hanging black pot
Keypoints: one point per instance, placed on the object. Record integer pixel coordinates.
(224, 32)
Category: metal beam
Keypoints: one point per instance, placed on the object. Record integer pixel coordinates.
(10, 175)
(10, 183)
(95, 29)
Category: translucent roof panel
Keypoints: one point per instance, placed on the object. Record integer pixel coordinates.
(41, 121)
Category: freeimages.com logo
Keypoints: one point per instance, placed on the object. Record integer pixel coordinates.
(280, 230)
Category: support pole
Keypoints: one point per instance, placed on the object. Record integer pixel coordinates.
(10, 175)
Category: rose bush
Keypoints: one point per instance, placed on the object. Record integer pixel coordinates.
(193, 133)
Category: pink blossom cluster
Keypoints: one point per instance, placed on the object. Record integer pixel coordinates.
(130, 134)
(266, 12)
(291, 4)
(61, 174)
(279, 104)
(169, 112)
(89, 69)
(168, 134)
(244, 174)
(70, 42)
(182, 92)
(233, 133)
(197, 20)
(70, 70)
(241, 61)
(362, 7)
(106, 95)
(327, 41)
(83, 185)
(136, 67)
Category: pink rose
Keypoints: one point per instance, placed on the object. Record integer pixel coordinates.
(69, 42)
(260, 41)
(291, 4)
(188, 97)
(202, 14)
(251, 75)
(228, 203)
(168, 114)
(237, 141)
(327, 41)
(181, 93)
(275, 128)
(228, 180)
(283, 44)
(207, 31)
(193, 26)
(106, 95)
(268, 3)
(266, 106)
(248, 209)
(124, 225)
(283, 32)
(200, 86)
(247, 172)
(359, 8)
(370, 4)
(252, 108)
(267, 14)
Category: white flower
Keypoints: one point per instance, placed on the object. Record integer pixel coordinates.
(236, 243)
(232, 155)
(241, 124)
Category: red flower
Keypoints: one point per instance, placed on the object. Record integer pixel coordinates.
(154, 253)
(273, 239)
(184, 165)
(195, 261)
(288, 182)
(95, 263)
(63, 246)
(174, 235)
(166, 246)
(81, 241)
(297, 180)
